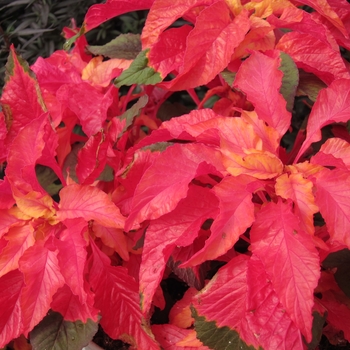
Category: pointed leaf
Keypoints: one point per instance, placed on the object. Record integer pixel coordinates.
(11, 324)
(92, 158)
(236, 215)
(179, 227)
(276, 237)
(125, 46)
(90, 203)
(307, 51)
(332, 197)
(21, 99)
(72, 257)
(71, 308)
(332, 106)
(43, 278)
(138, 73)
(100, 13)
(164, 183)
(19, 239)
(260, 78)
(53, 333)
(300, 191)
(118, 300)
(207, 55)
(78, 97)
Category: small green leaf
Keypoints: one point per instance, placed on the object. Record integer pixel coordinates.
(309, 85)
(217, 338)
(158, 147)
(68, 44)
(54, 333)
(133, 112)
(228, 76)
(139, 73)
(290, 79)
(125, 46)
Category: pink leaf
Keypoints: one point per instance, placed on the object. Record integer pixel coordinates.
(260, 78)
(210, 45)
(236, 215)
(92, 158)
(259, 318)
(71, 308)
(179, 227)
(308, 52)
(299, 190)
(332, 106)
(78, 97)
(334, 152)
(100, 13)
(164, 184)
(116, 295)
(290, 259)
(11, 325)
(19, 239)
(162, 14)
(90, 203)
(42, 278)
(332, 197)
(72, 257)
(21, 99)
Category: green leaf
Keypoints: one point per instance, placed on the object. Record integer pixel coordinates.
(53, 333)
(309, 85)
(228, 76)
(133, 112)
(139, 73)
(340, 260)
(125, 46)
(290, 79)
(217, 338)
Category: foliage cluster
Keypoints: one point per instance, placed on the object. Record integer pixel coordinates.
(112, 187)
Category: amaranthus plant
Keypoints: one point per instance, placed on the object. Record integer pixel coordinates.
(110, 187)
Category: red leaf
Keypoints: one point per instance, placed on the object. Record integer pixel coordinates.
(18, 239)
(323, 8)
(162, 14)
(71, 308)
(177, 228)
(299, 190)
(116, 295)
(210, 45)
(42, 278)
(21, 99)
(100, 13)
(332, 106)
(275, 238)
(308, 52)
(169, 335)
(168, 52)
(90, 203)
(260, 319)
(92, 158)
(164, 184)
(78, 97)
(236, 215)
(332, 197)
(7, 220)
(260, 78)
(72, 257)
(338, 314)
(11, 325)
(6, 197)
(334, 152)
